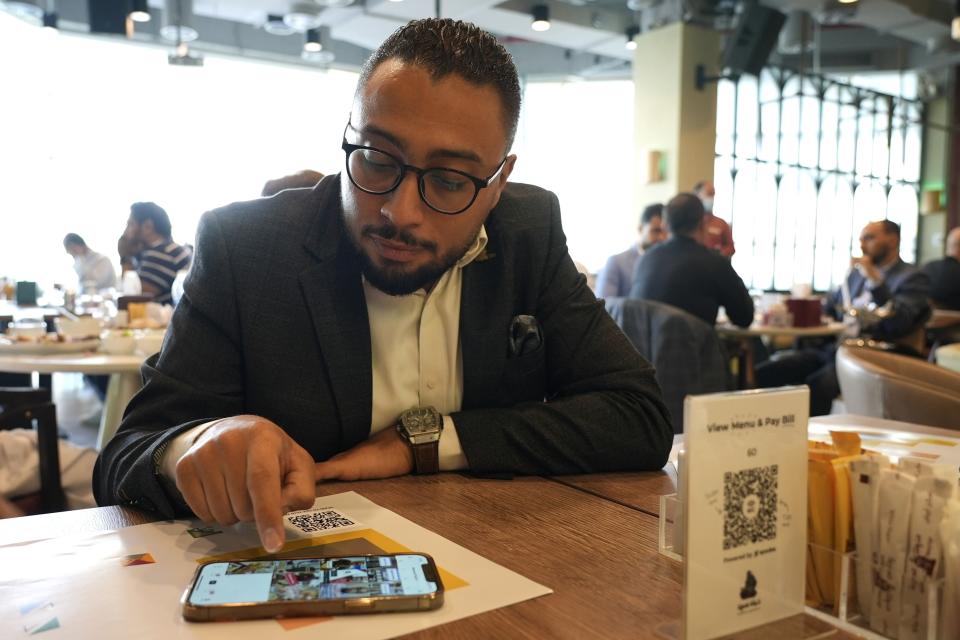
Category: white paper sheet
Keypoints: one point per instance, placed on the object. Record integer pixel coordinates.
(100, 586)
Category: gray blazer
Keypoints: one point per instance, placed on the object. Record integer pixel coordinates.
(273, 322)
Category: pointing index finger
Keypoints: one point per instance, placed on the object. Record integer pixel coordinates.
(263, 483)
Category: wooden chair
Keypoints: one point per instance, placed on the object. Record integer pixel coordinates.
(27, 408)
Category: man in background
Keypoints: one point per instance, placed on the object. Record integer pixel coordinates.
(877, 279)
(94, 270)
(616, 278)
(944, 275)
(159, 258)
(682, 272)
(718, 235)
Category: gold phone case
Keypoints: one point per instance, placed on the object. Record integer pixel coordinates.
(298, 608)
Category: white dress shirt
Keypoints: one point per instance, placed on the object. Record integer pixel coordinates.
(416, 360)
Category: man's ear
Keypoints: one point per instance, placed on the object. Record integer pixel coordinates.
(507, 170)
(502, 179)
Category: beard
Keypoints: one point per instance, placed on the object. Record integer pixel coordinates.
(397, 280)
(879, 255)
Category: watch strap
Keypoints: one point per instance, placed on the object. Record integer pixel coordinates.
(426, 457)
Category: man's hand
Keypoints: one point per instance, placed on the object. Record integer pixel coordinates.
(869, 270)
(382, 456)
(247, 468)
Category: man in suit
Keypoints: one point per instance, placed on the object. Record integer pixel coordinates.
(321, 330)
(684, 273)
(879, 279)
(944, 275)
(616, 278)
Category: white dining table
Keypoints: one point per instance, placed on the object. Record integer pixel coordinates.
(124, 372)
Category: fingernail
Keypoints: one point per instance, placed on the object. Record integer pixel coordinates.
(272, 540)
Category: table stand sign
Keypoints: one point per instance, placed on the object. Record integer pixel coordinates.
(744, 512)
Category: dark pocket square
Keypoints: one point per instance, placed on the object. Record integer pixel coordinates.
(525, 335)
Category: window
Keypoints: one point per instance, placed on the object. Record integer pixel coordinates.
(810, 161)
(589, 164)
(90, 125)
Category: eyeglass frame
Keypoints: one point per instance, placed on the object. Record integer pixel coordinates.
(478, 183)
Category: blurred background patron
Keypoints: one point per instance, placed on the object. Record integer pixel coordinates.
(684, 273)
(159, 258)
(944, 275)
(616, 277)
(94, 270)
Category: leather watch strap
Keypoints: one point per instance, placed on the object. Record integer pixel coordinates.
(426, 457)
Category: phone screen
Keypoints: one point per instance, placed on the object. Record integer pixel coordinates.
(341, 578)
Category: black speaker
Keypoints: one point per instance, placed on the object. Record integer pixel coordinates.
(757, 31)
(108, 16)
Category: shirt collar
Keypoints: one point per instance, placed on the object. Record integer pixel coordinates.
(479, 244)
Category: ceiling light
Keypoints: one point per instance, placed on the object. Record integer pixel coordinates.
(303, 16)
(275, 26)
(178, 21)
(139, 11)
(28, 10)
(312, 44)
(848, 1)
(322, 52)
(541, 17)
(955, 25)
(632, 32)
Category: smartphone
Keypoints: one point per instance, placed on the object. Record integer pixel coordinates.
(249, 589)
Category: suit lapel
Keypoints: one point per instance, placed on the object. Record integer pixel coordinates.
(333, 292)
(484, 350)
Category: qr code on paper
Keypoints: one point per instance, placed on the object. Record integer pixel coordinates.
(749, 506)
(320, 520)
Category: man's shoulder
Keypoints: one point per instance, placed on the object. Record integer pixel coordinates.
(290, 211)
(525, 206)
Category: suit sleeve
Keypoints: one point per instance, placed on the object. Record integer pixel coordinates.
(910, 304)
(735, 298)
(608, 282)
(196, 377)
(603, 410)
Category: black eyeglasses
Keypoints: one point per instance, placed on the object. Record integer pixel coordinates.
(446, 191)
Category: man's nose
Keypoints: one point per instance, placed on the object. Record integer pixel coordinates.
(404, 207)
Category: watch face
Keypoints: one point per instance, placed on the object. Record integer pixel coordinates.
(418, 421)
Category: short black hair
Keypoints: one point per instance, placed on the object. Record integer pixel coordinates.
(889, 226)
(684, 214)
(73, 238)
(143, 211)
(443, 46)
(650, 212)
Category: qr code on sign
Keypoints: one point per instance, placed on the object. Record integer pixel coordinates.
(749, 506)
(322, 520)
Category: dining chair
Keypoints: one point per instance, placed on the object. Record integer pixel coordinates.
(684, 350)
(882, 384)
(29, 408)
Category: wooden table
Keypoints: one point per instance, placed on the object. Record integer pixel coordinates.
(745, 335)
(640, 491)
(599, 557)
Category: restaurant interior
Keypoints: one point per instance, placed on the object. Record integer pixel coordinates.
(819, 140)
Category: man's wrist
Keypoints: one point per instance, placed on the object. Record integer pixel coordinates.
(420, 428)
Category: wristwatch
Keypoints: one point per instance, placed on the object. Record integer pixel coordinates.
(420, 428)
